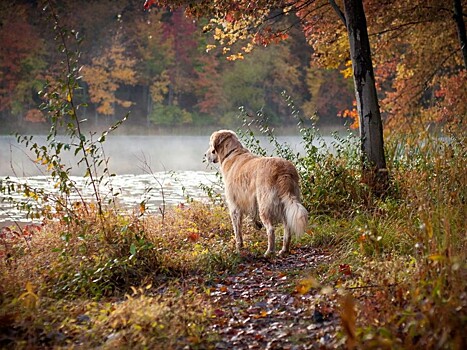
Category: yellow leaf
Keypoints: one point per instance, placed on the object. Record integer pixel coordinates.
(436, 257)
(347, 73)
(29, 298)
(210, 47)
(306, 284)
(235, 57)
(30, 287)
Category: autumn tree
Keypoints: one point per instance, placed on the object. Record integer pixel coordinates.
(166, 46)
(417, 57)
(109, 71)
(419, 41)
(21, 60)
(238, 20)
(256, 82)
(154, 54)
(331, 94)
(209, 86)
(183, 33)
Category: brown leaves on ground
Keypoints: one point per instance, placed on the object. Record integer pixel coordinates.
(263, 306)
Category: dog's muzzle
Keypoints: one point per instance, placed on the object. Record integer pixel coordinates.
(211, 156)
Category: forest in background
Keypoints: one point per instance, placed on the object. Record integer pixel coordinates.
(155, 65)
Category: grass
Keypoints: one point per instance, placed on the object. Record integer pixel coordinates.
(139, 281)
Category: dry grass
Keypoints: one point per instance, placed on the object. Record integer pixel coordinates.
(140, 281)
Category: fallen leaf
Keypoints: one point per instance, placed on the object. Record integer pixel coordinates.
(348, 316)
(306, 284)
(345, 269)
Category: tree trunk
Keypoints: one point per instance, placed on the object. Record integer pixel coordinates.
(148, 98)
(374, 169)
(458, 17)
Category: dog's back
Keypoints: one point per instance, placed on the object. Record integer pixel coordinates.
(262, 187)
(268, 187)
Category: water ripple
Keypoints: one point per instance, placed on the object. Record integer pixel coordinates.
(169, 188)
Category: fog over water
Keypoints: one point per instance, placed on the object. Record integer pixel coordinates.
(161, 170)
(127, 154)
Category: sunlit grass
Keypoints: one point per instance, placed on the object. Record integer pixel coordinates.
(140, 280)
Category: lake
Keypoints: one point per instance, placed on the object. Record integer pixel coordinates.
(171, 165)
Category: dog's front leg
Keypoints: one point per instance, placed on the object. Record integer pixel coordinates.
(236, 216)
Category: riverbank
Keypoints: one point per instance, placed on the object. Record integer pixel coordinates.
(176, 282)
(370, 272)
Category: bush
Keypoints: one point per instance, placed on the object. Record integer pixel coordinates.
(402, 256)
(170, 115)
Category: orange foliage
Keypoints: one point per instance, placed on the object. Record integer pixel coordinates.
(106, 74)
(353, 115)
(18, 42)
(34, 116)
(450, 100)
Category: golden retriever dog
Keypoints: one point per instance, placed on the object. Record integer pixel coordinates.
(261, 187)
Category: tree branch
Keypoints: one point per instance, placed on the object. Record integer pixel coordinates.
(400, 26)
(338, 11)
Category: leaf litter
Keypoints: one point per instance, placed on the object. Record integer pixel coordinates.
(263, 307)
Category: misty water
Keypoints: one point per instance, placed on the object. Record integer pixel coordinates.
(160, 170)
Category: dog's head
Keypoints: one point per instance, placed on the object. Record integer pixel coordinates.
(221, 145)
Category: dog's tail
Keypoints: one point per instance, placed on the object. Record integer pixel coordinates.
(296, 216)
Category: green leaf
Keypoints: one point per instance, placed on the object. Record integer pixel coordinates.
(133, 249)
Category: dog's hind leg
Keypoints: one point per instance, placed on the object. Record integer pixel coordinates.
(286, 241)
(271, 239)
(256, 219)
(236, 216)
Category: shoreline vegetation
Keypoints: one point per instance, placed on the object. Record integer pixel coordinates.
(144, 130)
(370, 272)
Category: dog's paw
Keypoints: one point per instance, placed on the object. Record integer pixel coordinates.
(283, 252)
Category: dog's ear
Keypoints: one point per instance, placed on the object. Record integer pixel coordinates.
(220, 138)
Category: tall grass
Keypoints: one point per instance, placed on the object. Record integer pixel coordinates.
(404, 255)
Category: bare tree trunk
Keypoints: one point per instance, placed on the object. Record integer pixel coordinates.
(148, 98)
(458, 17)
(371, 128)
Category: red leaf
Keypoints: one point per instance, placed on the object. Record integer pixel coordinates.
(193, 236)
(148, 4)
(229, 18)
(219, 313)
(345, 269)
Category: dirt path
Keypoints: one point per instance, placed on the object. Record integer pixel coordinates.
(259, 307)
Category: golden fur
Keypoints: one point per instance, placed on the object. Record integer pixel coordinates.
(265, 188)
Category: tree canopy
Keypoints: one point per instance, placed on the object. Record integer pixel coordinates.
(418, 55)
(154, 64)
